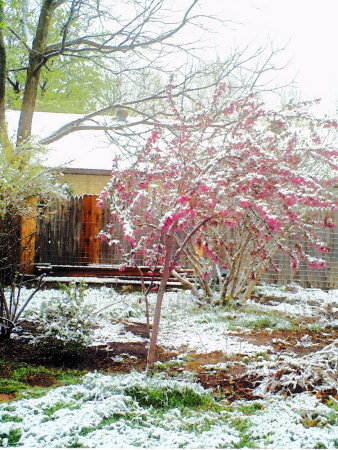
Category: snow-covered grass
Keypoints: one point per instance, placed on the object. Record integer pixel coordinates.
(297, 301)
(137, 411)
(203, 329)
(120, 411)
(183, 323)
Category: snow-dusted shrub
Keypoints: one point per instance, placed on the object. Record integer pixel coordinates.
(314, 372)
(67, 318)
(12, 307)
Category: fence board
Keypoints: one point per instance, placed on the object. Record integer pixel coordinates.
(28, 236)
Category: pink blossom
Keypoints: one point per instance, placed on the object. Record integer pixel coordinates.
(294, 263)
(290, 200)
(274, 224)
(317, 263)
(329, 222)
(245, 203)
(183, 199)
(276, 268)
(204, 188)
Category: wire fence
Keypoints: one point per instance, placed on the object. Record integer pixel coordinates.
(68, 235)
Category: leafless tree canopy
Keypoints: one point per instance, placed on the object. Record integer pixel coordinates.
(140, 45)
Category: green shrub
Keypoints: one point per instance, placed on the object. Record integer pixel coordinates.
(67, 319)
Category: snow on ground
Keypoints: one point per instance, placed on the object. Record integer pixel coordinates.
(299, 301)
(103, 412)
(183, 324)
(186, 326)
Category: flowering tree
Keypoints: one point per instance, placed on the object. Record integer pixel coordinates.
(232, 178)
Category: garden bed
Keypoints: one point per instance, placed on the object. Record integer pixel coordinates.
(264, 375)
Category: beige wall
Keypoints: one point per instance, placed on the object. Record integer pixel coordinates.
(80, 184)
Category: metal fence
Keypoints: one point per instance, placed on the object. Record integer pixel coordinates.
(68, 235)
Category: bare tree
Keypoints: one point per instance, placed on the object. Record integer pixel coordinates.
(128, 41)
(91, 30)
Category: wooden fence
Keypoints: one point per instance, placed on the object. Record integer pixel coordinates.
(68, 235)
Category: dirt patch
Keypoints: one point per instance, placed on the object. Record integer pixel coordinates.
(111, 357)
(231, 387)
(300, 342)
(41, 380)
(6, 397)
(139, 329)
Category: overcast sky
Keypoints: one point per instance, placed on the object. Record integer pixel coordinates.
(307, 28)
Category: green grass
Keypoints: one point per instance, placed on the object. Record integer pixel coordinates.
(112, 419)
(20, 379)
(243, 426)
(11, 386)
(314, 328)
(59, 405)
(32, 392)
(250, 408)
(254, 319)
(9, 409)
(76, 444)
(13, 437)
(9, 418)
(167, 398)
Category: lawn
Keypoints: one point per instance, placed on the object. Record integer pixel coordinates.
(260, 376)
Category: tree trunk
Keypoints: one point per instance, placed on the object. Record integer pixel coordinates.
(2, 70)
(157, 316)
(36, 62)
(6, 150)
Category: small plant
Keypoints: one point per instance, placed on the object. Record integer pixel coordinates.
(315, 328)
(261, 321)
(12, 308)
(67, 319)
(167, 365)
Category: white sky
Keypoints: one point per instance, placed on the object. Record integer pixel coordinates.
(309, 29)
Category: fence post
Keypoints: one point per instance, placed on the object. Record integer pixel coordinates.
(91, 226)
(28, 237)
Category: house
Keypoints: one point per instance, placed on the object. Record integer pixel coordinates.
(84, 157)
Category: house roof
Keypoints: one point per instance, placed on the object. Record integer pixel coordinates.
(90, 149)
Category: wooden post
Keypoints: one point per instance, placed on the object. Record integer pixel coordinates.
(28, 238)
(91, 226)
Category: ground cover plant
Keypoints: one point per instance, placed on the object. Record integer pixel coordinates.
(257, 376)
